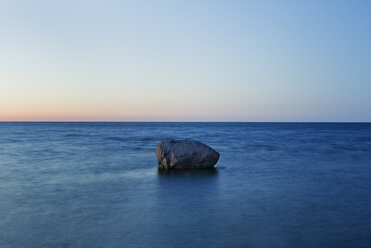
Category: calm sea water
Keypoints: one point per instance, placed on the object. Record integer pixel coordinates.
(97, 185)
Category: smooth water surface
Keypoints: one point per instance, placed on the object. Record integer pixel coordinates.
(97, 185)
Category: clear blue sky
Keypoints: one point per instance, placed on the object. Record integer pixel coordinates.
(185, 60)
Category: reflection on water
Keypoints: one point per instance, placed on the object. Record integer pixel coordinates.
(185, 201)
(185, 172)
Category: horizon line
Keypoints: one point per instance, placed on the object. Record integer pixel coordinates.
(184, 121)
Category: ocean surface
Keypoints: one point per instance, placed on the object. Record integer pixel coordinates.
(97, 185)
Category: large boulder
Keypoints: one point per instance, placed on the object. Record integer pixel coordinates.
(185, 154)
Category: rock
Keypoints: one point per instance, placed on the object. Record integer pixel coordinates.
(185, 154)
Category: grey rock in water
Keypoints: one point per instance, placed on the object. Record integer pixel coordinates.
(185, 154)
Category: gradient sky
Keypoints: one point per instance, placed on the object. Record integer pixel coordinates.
(185, 60)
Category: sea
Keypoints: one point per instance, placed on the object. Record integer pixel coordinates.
(97, 185)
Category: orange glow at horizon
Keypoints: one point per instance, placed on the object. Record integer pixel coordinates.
(106, 113)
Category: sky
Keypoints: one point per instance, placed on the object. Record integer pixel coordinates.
(185, 60)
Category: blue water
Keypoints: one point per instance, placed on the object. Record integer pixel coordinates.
(97, 185)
